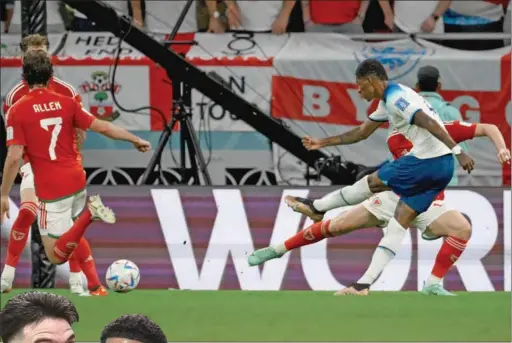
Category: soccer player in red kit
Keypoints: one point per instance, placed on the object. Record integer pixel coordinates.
(438, 221)
(29, 203)
(43, 125)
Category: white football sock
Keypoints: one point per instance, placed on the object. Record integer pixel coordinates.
(432, 280)
(8, 272)
(349, 195)
(75, 278)
(280, 248)
(387, 249)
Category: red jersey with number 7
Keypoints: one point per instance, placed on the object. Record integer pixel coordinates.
(44, 123)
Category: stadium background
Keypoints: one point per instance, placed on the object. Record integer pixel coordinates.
(273, 72)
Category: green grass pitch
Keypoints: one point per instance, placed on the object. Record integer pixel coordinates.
(302, 316)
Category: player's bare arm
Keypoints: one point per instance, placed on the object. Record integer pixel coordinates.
(11, 168)
(424, 121)
(494, 134)
(352, 136)
(115, 132)
(80, 138)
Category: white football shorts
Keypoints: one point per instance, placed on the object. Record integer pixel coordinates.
(56, 217)
(27, 177)
(382, 206)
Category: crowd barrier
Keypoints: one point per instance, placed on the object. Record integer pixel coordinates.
(306, 80)
(200, 237)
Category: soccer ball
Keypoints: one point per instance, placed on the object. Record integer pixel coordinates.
(123, 276)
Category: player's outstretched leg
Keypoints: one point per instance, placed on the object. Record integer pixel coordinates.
(346, 196)
(353, 219)
(458, 229)
(17, 241)
(60, 251)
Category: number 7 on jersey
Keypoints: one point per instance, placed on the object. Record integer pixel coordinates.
(56, 122)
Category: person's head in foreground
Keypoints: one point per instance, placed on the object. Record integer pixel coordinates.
(428, 79)
(372, 79)
(133, 328)
(37, 68)
(34, 42)
(38, 317)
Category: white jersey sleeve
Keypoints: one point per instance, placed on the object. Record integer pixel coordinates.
(380, 114)
(401, 102)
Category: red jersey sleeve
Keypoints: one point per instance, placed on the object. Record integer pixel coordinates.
(460, 131)
(14, 130)
(5, 108)
(78, 99)
(82, 118)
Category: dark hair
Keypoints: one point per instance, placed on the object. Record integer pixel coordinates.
(369, 67)
(136, 327)
(427, 85)
(33, 40)
(33, 307)
(37, 68)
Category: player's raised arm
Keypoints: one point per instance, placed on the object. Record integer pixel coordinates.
(85, 121)
(428, 123)
(352, 136)
(494, 134)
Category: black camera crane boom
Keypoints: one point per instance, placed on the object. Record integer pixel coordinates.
(178, 68)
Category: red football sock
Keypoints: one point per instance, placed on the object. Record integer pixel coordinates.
(74, 266)
(69, 240)
(310, 235)
(449, 253)
(19, 233)
(84, 257)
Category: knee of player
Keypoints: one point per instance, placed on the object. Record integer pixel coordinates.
(337, 226)
(464, 229)
(375, 184)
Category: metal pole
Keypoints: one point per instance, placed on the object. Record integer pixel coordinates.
(429, 36)
(34, 21)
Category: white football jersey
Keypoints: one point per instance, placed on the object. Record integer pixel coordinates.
(399, 106)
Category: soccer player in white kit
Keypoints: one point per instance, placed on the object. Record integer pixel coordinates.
(438, 221)
(417, 177)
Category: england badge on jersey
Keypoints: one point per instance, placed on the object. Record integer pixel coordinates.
(402, 104)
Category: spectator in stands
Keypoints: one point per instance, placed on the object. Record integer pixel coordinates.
(6, 11)
(376, 20)
(79, 22)
(428, 86)
(475, 16)
(132, 328)
(259, 16)
(161, 16)
(334, 16)
(211, 16)
(38, 317)
(416, 16)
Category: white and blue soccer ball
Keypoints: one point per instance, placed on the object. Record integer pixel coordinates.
(123, 276)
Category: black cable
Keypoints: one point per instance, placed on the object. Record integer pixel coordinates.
(112, 73)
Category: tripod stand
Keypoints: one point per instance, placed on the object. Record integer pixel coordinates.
(181, 110)
(181, 113)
